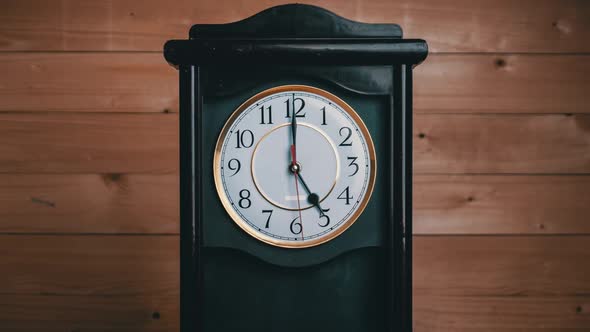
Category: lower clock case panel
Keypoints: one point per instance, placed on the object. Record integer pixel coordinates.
(242, 293)
(346, 284)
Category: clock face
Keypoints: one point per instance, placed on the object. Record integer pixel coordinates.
(294, 166)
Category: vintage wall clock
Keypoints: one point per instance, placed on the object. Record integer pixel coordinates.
(295, 173)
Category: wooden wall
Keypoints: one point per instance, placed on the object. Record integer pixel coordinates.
(88, 161)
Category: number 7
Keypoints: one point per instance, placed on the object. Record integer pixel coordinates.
(268, 219)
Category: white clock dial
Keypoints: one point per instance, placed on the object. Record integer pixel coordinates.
(294, 166)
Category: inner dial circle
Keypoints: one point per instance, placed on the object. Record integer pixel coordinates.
(317, 161)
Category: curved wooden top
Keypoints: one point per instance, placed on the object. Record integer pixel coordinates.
(295, 21)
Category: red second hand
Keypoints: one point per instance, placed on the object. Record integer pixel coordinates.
(293, 163)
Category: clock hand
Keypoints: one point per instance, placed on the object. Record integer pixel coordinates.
(294, 138)
(295, 170)
(313, 198)
(294, 124)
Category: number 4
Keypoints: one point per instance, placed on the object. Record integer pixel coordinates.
(347, 196)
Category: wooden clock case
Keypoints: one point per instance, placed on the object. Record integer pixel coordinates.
(359, 281)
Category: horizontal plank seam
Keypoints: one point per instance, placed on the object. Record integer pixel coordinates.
(475, 296)
(415, 235)
(496, 113)
(55, 294)
(89, 234)
(161, 52)
(414, 173)
(417, 293)
(175, 112)
(501, 174)
(64, 112)
(531, 235)
(92, 173)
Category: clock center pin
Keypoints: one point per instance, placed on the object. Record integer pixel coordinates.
(295, 168)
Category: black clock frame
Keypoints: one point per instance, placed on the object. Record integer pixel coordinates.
(294, 35)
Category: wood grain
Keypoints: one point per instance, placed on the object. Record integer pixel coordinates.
(501, 204)
(502, 266)
(88, 143)
(140, 82)
(448, 25)
(50, 313)
(27, 313)
(522, 144)
(86, 148)
(148, 143)
(148, 204)
(502, 84)
(489, 283)
(87, 82)
(89, 203)
(89, 265)
(462, 283)
(505, 314)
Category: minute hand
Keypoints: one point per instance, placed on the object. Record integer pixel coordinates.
(294, 124)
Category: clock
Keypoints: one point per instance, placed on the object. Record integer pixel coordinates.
(294, 166)
(295, 136)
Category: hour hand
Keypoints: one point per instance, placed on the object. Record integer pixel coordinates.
(313, 198)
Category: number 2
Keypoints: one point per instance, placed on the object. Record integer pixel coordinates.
(348, 134)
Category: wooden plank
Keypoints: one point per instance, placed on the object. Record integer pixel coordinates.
(501, 204)
(89, 203)
(87, 82)
(148, 143)
(23, 313)
(89, 283)
(502, 144)
(127, 143)
(448, 25)
(140, 82)
(502, 84)
(89, 265)
(461, 283)
(495, 283)
(36, 313)
(147, 204)
(505, 314)
(148, 265)
(502, 266)
(88, 143)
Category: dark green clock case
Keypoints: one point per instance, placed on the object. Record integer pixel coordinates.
(359, 281)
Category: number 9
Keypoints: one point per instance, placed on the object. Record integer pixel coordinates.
(236, 169)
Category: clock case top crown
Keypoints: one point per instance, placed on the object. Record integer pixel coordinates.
(296, 34)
